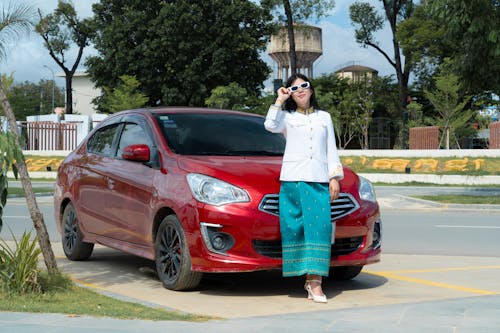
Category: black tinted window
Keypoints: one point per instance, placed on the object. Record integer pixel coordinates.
(219, 134)
(101, 141)
(133, 134)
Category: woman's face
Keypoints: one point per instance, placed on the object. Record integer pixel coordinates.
(302, 96)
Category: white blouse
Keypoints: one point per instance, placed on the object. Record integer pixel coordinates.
(311, 152)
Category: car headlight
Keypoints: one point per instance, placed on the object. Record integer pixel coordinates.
(214, 191)
(366, 190)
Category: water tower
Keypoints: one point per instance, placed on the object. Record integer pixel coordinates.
(308, 48)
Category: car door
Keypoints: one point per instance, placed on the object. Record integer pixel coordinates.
(130, 186)
(92, 180)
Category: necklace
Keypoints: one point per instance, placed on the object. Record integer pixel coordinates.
(307, 111)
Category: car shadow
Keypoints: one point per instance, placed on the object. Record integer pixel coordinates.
(271, 282)
(107, 267)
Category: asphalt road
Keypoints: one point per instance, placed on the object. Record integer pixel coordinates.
(407, 228)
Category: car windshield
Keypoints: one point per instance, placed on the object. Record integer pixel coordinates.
(219, 134)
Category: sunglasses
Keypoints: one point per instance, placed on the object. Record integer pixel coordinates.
(303, 85)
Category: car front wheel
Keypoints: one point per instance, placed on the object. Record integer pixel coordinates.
(173, 263)
(72, 239)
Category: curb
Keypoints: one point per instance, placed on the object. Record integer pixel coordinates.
(434, 204)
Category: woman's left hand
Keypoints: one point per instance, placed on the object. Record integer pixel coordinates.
(334, 188)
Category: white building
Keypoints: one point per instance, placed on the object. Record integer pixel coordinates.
(84, 92)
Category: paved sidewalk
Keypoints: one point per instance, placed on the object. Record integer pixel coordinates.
(467, 315)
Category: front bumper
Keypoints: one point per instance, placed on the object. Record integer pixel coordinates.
(253, 239)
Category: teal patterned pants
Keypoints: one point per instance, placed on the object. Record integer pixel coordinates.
(306, 228)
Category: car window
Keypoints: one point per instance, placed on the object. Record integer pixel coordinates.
(101, 142)
(133, 134)
(219, 134)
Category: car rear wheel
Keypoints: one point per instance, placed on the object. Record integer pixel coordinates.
(72, 239)
(345, 272)
(173, 263)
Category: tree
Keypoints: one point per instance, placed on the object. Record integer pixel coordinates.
(366, 20)
(28, 98)
(14, 22)
(298, 11)
(124, 97)
(472, 28)
(58, 31)
(447, 102)
(335, 96)
(186, 49)
(232, 96)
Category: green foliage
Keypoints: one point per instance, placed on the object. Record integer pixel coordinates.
(301, 10)
(9, 153)
(232, 96)
(28, 98)
(186, 49)
(450, 106)
(15, 20)
(124, 97)
(352, 104)
(472, 28)
(423, 38)
(365, 15)
(19, 266)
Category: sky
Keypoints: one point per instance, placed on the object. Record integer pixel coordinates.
(28, 59)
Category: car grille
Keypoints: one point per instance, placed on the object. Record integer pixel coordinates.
(345, 204)
(342, 246)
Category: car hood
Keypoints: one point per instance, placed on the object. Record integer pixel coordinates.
(242, 171)
(251, 171)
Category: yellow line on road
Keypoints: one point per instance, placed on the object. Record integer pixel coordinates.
(431, 270)
(83, 283)
(434, 284)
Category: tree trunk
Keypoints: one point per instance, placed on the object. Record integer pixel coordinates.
(69, 93)
(36, 215)
(291, 37)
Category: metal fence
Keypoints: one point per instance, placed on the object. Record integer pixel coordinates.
(42, 135)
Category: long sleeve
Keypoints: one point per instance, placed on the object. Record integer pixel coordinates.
(335, 169)
(275, 119)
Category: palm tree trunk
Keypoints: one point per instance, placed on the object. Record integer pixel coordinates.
(36, 215)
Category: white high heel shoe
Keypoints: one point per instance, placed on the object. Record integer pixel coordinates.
(313, 296)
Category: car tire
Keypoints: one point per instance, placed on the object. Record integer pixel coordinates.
(173, 262)
(72, 239)
(342, 273)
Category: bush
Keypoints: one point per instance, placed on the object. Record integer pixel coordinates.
(19, 266)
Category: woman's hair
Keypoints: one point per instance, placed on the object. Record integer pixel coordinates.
(290, 104)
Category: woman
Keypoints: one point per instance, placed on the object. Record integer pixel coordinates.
(309, 177)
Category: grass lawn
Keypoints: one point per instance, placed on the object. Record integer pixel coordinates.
(461, 199)
(68, 298)
(18, 191)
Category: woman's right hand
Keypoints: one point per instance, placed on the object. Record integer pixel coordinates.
(283, 95)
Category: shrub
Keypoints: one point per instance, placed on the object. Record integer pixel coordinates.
(19, 266)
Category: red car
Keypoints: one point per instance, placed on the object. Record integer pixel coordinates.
(195, 190)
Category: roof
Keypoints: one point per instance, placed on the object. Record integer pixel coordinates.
(356, 68)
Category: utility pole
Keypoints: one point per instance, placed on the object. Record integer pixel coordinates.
(53, 84)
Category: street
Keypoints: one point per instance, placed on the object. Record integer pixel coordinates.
(406, 230)
(430, 256)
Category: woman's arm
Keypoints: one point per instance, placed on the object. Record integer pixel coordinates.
(275, 116)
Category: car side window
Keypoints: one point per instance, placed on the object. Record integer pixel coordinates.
(102, 140)
(133, 134)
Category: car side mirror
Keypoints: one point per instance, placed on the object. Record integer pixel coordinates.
(139, 153)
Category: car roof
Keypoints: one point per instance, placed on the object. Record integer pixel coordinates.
(185, 109)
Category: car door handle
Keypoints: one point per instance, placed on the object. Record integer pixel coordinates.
(111, 184)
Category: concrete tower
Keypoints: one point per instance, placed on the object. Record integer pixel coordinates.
(308, 47)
